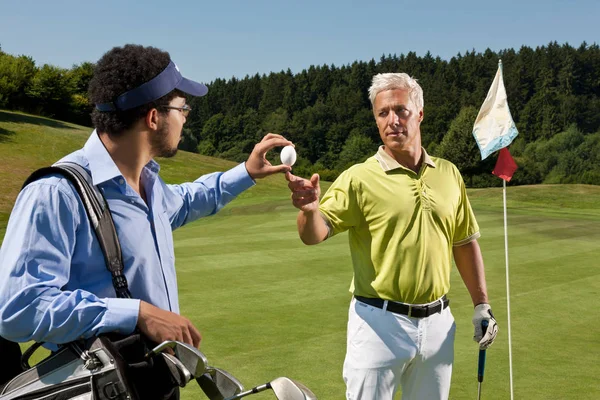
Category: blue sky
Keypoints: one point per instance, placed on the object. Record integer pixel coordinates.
(221, 39)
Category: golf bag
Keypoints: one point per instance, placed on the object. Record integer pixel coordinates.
(11, 358)
(98, 368)
(107, 367)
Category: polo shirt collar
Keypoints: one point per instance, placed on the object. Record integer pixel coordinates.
(388, 163)
(101, 165)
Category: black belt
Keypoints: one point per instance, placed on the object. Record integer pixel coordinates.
(414, 311)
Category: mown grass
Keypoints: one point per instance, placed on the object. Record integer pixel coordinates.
(269, 306)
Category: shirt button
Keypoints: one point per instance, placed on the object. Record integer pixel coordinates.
(121, 181)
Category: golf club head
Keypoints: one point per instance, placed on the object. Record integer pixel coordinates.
(192, 358)
(218, 384)
(288, 389)
(178, 370)
(167, 344)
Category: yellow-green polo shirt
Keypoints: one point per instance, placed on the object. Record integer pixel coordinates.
(402, 225)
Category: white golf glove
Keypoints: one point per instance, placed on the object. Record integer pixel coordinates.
(483, 312)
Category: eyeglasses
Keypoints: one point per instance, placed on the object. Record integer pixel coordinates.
(185, 110)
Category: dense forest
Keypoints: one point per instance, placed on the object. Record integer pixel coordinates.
(553, 93)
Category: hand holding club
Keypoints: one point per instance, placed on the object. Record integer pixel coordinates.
(483, 312)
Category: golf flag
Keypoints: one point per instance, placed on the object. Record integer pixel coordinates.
(494, 127)
(494, 130)
(505, 166)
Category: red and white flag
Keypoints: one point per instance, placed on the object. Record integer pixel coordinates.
(494, 127)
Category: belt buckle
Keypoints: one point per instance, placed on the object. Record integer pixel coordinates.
(441, 304)
(410, 310)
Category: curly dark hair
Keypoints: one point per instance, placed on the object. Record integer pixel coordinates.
(120, 70)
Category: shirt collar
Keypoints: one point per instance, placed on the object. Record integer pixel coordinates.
(102, 167)
(388, 163)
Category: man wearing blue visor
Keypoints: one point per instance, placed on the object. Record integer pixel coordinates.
(54, 284)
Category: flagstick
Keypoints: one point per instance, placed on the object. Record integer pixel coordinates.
(507, 290)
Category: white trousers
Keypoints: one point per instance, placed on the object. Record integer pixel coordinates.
(387, 351)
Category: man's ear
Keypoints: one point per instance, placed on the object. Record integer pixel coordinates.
(421, 115)
(152, 119)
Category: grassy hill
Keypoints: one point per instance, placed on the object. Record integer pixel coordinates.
(269, 306)
(29, 142)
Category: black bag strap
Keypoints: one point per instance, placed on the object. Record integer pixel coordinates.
(98, 212)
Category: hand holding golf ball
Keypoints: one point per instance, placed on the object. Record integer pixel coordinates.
(288, 155)
(257, 164)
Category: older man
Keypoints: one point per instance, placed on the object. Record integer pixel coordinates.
(407, 214)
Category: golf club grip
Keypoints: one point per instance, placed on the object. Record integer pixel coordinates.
(254, 390)
(261, 388)
(481, 366)
(481, 362)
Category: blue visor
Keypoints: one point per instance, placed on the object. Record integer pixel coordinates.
(162, 84)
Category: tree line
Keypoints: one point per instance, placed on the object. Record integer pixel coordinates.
(553, 93)
(47, 90)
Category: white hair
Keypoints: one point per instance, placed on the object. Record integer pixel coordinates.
(400, 80)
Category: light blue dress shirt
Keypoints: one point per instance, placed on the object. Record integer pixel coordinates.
(54, 284)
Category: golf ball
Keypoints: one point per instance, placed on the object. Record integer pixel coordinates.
(288, 155)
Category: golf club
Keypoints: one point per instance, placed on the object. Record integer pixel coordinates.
(193, 360)
(189, 362)
(178, 370)
(481, 363)
(283, 388)
(218, 384)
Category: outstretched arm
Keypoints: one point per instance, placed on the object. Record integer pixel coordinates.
(208, 194)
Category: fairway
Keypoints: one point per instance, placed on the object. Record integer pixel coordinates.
(269, 306)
